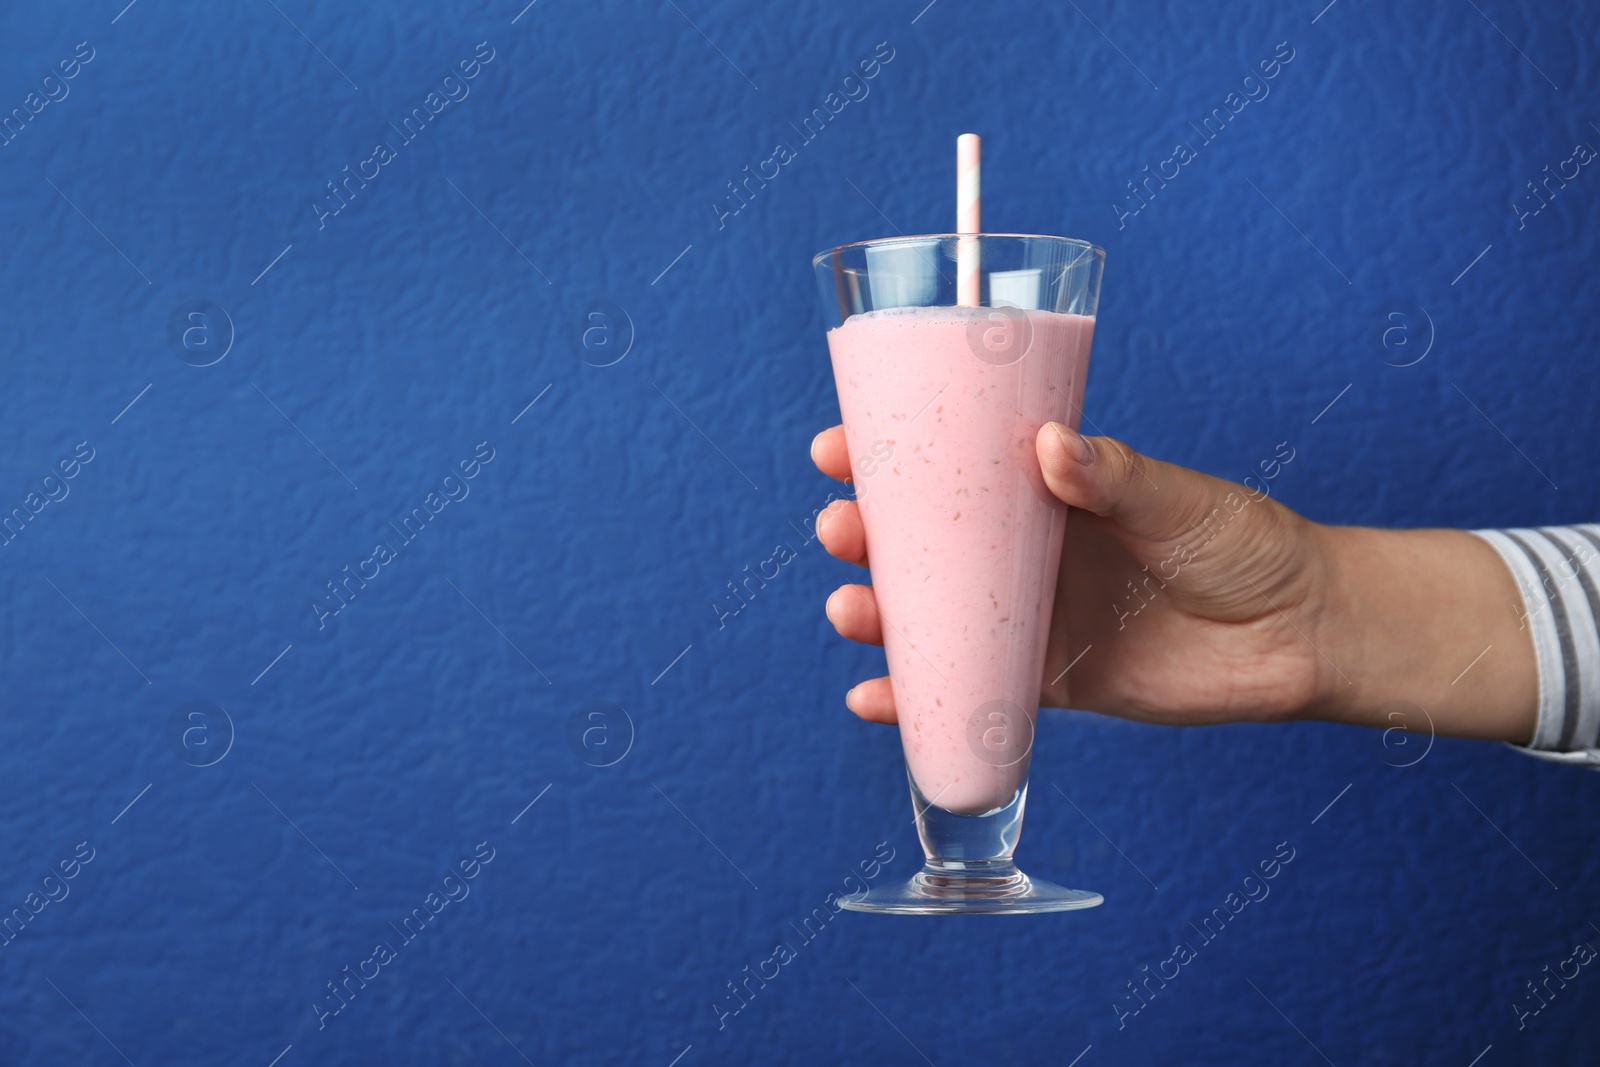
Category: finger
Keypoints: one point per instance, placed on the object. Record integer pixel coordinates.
(840, 530)
(873, 700)
(830, 453)
(853, 610)
(1148, 498)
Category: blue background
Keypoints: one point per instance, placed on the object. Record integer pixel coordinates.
(378, 351)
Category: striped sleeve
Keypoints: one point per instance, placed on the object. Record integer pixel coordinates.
(1557, 569)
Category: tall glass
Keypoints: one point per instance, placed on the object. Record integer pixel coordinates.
(941, 406)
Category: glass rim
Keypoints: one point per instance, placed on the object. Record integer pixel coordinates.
(816, 260)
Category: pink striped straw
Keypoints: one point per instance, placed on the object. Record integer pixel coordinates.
(968, 199)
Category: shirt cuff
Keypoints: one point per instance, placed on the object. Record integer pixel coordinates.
(1556, 574)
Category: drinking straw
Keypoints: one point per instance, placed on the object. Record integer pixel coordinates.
(968, 156)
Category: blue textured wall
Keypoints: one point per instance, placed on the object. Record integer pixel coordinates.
(161, 608)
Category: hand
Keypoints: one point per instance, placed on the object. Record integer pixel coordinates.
(1185, 599)
(1207, 632)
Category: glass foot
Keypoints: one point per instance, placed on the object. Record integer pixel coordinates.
(998, 889)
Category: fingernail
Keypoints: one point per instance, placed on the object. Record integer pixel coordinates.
(848, 698)
(1077, 445)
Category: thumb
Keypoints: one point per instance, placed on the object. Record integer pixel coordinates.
(1149, 498)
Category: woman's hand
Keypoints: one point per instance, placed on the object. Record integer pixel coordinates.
(1185, 599)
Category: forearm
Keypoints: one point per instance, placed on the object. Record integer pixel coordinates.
(1430, 618)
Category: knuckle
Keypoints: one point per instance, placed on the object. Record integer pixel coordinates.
(1130, 464)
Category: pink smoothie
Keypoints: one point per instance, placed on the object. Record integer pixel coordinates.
(963, 538)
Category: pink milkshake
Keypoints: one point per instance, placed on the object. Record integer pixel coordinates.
(963, 538)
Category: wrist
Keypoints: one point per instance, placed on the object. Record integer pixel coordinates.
(1404, 615)
(1329, 622)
